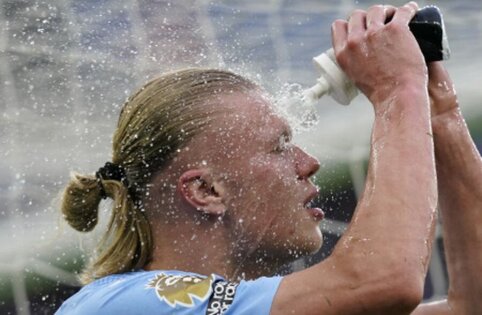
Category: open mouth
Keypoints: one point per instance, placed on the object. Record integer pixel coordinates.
(309, 204)
(316, 213)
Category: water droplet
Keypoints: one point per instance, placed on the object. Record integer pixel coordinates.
(299, 111)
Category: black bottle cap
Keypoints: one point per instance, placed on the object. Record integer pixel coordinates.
(428, 28)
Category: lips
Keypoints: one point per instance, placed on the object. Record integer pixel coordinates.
(316, 213)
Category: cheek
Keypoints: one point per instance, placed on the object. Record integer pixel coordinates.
(273, 170)
(263, 187)
(271, 181)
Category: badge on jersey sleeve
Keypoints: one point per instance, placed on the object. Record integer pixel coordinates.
(181, 289)
(184, 289)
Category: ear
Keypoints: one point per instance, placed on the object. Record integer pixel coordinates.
(198, 189)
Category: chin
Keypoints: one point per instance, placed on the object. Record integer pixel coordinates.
(313, 244)
(310, 238)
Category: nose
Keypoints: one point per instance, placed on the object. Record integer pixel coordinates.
(306, 164)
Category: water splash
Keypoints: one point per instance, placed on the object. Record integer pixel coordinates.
(299, 111)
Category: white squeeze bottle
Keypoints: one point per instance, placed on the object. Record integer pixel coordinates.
(429, 30)
(332, 81)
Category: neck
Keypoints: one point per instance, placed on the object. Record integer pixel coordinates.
(205, 249)
(254, 265)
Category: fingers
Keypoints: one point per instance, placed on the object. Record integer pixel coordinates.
(375, 51)
(378, 15)
(357, 23)
(339, 34)
(374, 18)
(404, 14)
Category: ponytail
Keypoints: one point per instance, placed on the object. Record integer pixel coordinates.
(127, 243)
(153, 124)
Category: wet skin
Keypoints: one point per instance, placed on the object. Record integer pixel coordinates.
(265, 178)
(234, 199)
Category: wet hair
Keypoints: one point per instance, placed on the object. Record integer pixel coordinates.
(154, 124)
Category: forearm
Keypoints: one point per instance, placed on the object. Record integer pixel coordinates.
(459, 170)
(387, 246)
(396, 210)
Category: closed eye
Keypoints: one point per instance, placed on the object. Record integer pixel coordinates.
(283, 143)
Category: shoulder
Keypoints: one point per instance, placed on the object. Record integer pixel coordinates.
(170, 292)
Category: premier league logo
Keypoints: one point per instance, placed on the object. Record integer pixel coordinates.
(181, 289)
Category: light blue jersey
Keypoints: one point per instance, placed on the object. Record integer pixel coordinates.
(172, 292)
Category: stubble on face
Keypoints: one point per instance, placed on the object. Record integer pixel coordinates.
(265, 199)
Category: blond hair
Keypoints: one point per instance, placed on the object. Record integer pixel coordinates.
(154, 123)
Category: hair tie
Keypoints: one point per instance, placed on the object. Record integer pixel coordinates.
(110, 171)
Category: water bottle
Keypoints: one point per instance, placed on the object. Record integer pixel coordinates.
(429, 30)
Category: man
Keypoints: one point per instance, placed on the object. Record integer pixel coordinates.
(216, 194)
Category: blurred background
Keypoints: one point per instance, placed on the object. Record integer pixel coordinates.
(67, 66)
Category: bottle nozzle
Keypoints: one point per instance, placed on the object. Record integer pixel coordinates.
(317, 91)
(332, 80)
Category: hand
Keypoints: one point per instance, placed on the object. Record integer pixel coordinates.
(443, 98)
(380, 56)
